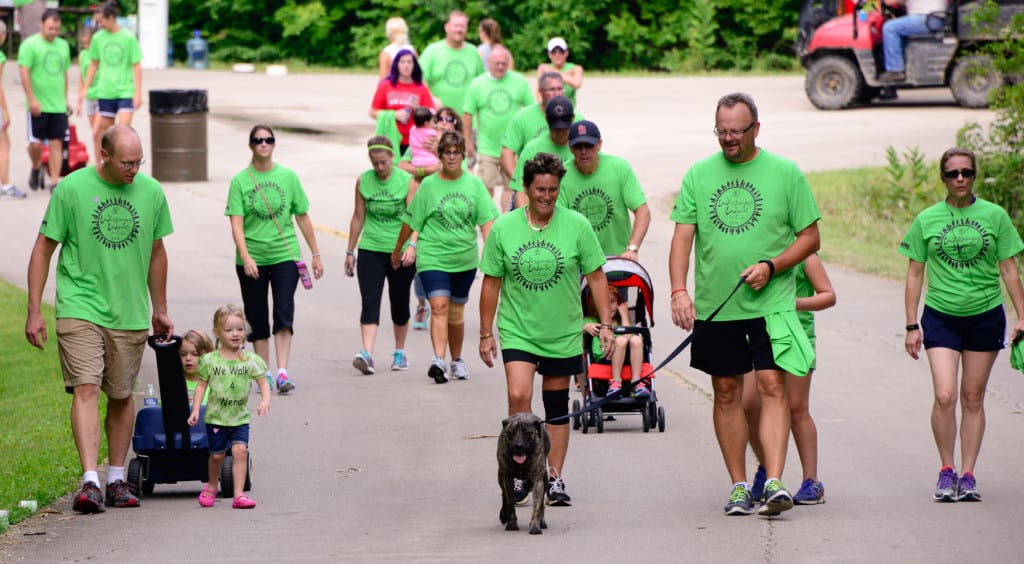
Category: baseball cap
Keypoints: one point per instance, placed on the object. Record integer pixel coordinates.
(584, 131)
(557, 42)
(559, 113)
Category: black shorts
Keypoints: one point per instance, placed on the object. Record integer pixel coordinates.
(47, 126)
(982, 332)
(546, 366)
(731, 348)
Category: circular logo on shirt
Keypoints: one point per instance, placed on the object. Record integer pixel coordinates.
(455, 211)
(384, 207)
(736, 206)
(272, 206)
(962, 243)
(596, 206)
(115, 223)
(499, 101)
(538, 265)
(113, 54)
(53, 64)
(456, 74)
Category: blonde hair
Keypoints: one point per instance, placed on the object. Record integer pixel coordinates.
(397, 31)
(223, 313)
(201, 341)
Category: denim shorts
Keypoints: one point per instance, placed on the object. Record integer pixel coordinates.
(111, 107)
(454, 285)
(220, 438)
(985, 331)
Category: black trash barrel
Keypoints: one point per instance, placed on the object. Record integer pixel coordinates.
(178, 130)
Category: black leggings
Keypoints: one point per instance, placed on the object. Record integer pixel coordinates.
(372, 268)
(280, 280)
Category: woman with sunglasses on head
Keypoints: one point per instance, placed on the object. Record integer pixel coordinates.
(401, 92)
(965, 244)
(262, 201)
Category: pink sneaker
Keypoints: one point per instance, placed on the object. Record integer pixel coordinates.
(243, 502)
(614, 386)
(207, 497)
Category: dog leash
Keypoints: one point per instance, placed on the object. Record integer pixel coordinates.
(626, 387)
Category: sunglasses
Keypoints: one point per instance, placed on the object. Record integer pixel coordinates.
(446, 119)
(261, 140)
(953, 174)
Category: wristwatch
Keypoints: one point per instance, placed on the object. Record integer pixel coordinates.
(633, 248)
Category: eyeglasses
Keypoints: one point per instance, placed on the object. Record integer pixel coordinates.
(129, 165)
(722, 133)
(953, 174)
(446, 119)
(261, 140)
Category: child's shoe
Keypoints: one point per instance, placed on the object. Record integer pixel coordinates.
(641, 391)
(207, 497)
(614, 386)
(243, 502)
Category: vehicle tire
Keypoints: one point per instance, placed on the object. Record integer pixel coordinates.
(577, 419)
(134, 476)
(972, 78)
(600, 419)
(661, 419)
(227, 479)
(833, 83)
(646, 417)
(248, 472)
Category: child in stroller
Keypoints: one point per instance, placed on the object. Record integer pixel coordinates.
(623, 342)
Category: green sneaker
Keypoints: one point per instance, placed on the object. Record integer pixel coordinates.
(776, 499)
(740, 501)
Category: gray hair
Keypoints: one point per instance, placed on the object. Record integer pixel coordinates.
(730, 100)
(550, 75)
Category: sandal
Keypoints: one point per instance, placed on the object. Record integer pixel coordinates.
(207, 497)
(243, 502)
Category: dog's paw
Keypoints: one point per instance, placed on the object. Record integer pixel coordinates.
(512, 526)
(543, 524)
(535, 529)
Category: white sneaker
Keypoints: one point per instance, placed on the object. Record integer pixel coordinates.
(10, 192)
(459, 370)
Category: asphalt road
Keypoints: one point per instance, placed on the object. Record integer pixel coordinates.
(393, 467)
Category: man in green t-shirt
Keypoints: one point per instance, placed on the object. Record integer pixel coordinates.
(556, 142)
(43, 63)
(109, 221)
(754, 218)
(493, 98)
(449, 65)
(605, 190)
(529, 123)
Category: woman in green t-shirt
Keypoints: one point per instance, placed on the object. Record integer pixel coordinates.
(446, 211)
(967, 244)
(534, 260)
(382, 196)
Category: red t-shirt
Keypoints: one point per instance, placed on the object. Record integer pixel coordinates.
(401, 96)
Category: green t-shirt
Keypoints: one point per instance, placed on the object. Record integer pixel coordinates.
(190, 385)
(528, 124)
(106, 233)
(3, 57)
(493, 103)
(48, 63)
(961, 249)
(804, 289)
(84, 60)
(448, 71)
(540, 310)
(229, 385)
(542, 144)
(117, 53)
(446, 214)
(605, 198)
(570, 92)
(285, 196)
(744, 213)
(385, 205)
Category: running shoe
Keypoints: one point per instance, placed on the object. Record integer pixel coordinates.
(9, 192)
(34, 178)
(946, 489)
(363, 362)
(641, 391)
(614, 386)
(757, 490)
(776, 499)
(89, 499)
(459, 370)
(740, 502)
(400, 361)
(284, 385)
(556, 493)
(120, 494)
(419, 323)
(967, 488)
(521, 491)
(811, 492)
(438, 371)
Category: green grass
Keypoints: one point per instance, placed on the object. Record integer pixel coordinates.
(38, 460)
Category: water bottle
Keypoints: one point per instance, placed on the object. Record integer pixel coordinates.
(198, 52)
(151, 398)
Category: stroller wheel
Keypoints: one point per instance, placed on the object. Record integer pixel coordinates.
(661, 419)
(576, 420)
(652, 412)
(645, 415)
(600, 419)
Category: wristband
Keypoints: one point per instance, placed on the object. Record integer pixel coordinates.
(486, 335)
(606, 325)
(913, 327)
(412, 244)
(771, 267)
(678, 291)
(349, 252)
(316, 254)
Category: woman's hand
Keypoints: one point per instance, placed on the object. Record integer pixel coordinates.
(350, 265)
(488, 350)
(409, 256)
(913, 343)
(250, 268)
(318, 267)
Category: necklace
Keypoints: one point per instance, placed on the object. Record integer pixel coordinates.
(538, 228)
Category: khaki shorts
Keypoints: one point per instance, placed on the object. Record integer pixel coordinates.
(491, 173)
(108, 358)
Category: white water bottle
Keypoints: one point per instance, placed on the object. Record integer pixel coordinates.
(151, 398)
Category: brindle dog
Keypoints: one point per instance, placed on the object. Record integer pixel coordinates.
(523, 448)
